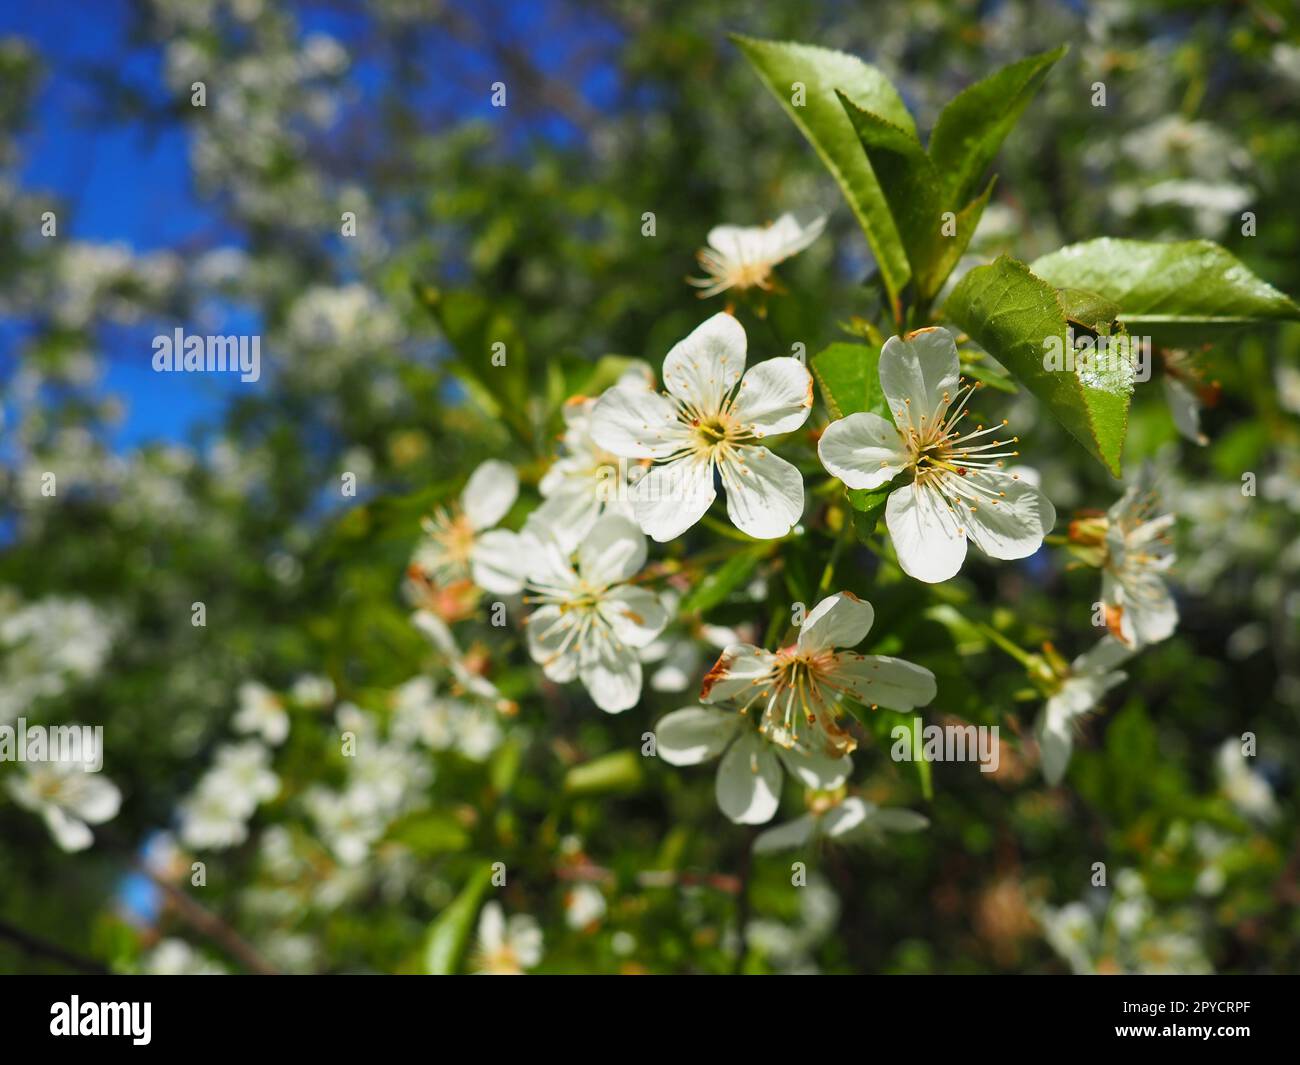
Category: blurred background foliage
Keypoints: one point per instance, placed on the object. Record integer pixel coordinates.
(524, 224)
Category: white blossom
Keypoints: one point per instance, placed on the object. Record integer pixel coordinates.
(711, 421)
(959, 489)
(586, 481)
(849, 820)
(506, 948)
(1246, 789)
(67, 798)
(1090, 677)
(1139, 608)
(460, 542)
(742, 257)
(261, 712)
(589, 622)
(798, 690)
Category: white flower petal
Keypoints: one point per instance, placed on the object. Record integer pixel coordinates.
(764, 492)
(637, 423)
(863, 450)
(635, 614)
(1185, 406)
(612, 677)
(739, 670)
(671, 498)
(748, 787)
(1055, 744)
(438, 632)
(787, 236)
(1148, 611)
(916, 372)
(98, 801)
(899, 820)
(491, 927)
(69, 833)
(677, 664)
(927, 538)
(1103, 657)
(570, 514)
(546, 561)
(525, 937)
(839, 620)
(774, 397)
(549, 643)
(739, 244)
(790, 836)
(704, 367)
(490, 493)
(879, 680)
(613, 551)
(695, 734)
(815, 770)
(846, 817)
(499, 561)
(1080, 694)
(1014, 526)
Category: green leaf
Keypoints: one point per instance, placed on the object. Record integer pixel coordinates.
(721, 582)
(849, 378)
(1178, 293)
(868, 505)
(591, 379)
(1013, 315)
(975, 122)
(504, 767)
(617, 773)
(918, 199)
(783, 66)
(1089, 310)
(430, 833)
(983, 372)
(450, 930)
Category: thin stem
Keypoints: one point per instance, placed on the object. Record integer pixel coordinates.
(828, 574)
(204, 921)
(39, 947)
(1014, 650)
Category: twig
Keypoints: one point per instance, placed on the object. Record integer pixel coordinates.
(43, 948)
(207, 923)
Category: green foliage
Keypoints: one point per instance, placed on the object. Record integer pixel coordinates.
(918, 198)
(785, 67)
(450, 933)
(481, 228)
(1015, 315)
(975, 122)
(849, 378)
(1182, 292)
(718, 584)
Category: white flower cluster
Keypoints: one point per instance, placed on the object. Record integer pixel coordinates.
(1125, 934)
(215, 816)
(46, 646)
(1135, 551)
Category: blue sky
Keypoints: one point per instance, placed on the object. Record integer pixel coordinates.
(117, 184)
(125, 183)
